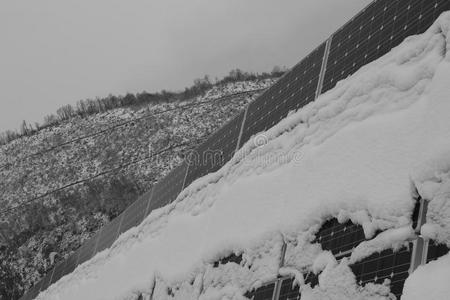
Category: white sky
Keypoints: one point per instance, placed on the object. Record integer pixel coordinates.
(56, 52)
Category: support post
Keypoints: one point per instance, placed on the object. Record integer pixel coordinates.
(323, 69)
(241, 131)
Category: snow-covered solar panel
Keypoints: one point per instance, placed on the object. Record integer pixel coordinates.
(289, 291)
(385, 265)
(214, 152)
(372, 33)
(339, 238)
(436, 250)
(295, 89)
(264, 292)
(383, 25)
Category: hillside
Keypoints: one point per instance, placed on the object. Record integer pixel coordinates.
(106, 160)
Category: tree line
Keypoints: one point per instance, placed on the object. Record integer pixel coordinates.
(87, 107)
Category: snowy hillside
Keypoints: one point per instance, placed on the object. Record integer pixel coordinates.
(358, 153)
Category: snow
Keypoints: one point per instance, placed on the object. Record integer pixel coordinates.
(359, 152)
(429, 281)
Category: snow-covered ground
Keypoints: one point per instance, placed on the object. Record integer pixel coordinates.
(359, 152)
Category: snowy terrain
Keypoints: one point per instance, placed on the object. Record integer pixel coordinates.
(359, 152)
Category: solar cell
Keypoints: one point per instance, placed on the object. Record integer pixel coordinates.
(339, 238)
(262, 293)
(436, 250)
(312, 279)
(168, 188)
(385, 265)
(216, 151)
(375, 31)
(233, 258)
(295, 89)
(289, 291)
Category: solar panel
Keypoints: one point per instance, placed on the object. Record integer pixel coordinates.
(86, 250)
(375, 31)
(134, 214)
(168, 188)
(216, 151)
(339, 238)
(385, 265)
(295, 89)
(436, 250)
(262, 293)
(289, 291)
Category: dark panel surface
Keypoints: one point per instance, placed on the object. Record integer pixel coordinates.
(263, 293)
(134, 214)
(86, 251)
(59, 271)
(108, 234)
(383, 25)
(385, 265)
(233, 258)
(289, 291)
(312, 279)
(295, 89)
(168, 188)
(339, 238)
(216, 151)
(436, 250)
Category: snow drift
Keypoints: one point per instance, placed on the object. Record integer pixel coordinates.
(361, 151)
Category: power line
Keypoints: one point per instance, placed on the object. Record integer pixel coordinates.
(29, 201)
(103, 131)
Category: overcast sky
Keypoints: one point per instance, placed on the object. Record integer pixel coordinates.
(55, 52)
